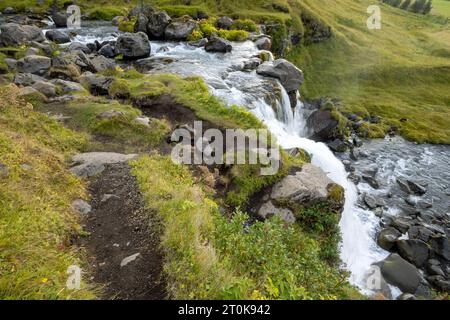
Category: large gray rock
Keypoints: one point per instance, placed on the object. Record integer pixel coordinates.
(400, 273)
(387, 238)
(93, 163)
(141, 23)
(263, 43)
(133, 45)
(46, 88)
(289, 75)
(268, 210)
(57, 36)
(102, 63)
(224, 23)
(308, 186)
(13, 34)
(108, 51)
(180, 29)
(34, 64)
(216, 44)
(323, 124)
(27, 79)
(68, 86)
(416, 187)
(415, 251)
(78, 46)
(157, 24)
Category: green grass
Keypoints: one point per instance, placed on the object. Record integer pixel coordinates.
(209, 257)
(441, 7)
(399, 72)
(36, 219)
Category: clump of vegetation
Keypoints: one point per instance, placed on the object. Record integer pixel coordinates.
(244, 24)
(105, 13)
(127, 25)
(36, 192)
(209, 257)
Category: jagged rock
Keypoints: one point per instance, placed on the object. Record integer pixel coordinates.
(68, 86)
(441, 247)
(107, 51)
(268, 210)
(387, 238)
(60, 19)
(403, 185)
(141, 23)
(46, 88)
(27, 79)
(323, 124)
(199, 43)
(102, 63)
(307, 186)
(400, 273)
(97, 85)
(435, 270)
(157, 24)
(337, 145)
(13, 34)
(133, 46)
(93, 163)
(420, 232)
(252, 63)
(373, 182)
(263, 43)
(406, 296)
(402, 224)
(289, 75)
(216, 44)
(57, 36)
(75, 46)
(224, 23)
(34, 64)
(82, 207)
(180, 29)
(416, 188)
(414, 251)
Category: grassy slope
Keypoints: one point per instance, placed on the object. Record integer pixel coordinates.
(400, 71)
(36, 220)
(441, 7)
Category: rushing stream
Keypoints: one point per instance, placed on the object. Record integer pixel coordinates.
(267, 99)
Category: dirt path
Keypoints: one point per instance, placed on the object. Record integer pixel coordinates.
(122, 249)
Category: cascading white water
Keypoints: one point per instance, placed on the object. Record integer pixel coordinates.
(227, 81)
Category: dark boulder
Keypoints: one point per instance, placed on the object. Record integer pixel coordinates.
(400, 273)
(416, 188)
(441, 247)
(323, 124)
(141, 23)
(371, 181)
(57, 36)
(107, 51)
(180, 29)
(415, 251)
(75, 46)
(9, 10)
(337, 145)
(403, 186)
(289, 75)
(387, 238)
(60, 19)
(34, 64)
(157, 24)
(402, 224)
(224, 23)
(133, 46)
(101, 63)
(216, 44)
(97, 85)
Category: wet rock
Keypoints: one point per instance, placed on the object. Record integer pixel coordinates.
(411, 201)
(180, 29)
(420, 233)
(441, 247)
(34, 64)
(354, 154)
(407, 296)
(224, 23)
(9, 10)
(402, 224)
(13, 34)
(289, 75)
(57, 36)
(107, 51)
(416, 188)
(268, 210)
(414, 251)
(46, 88)
(133, 46)
(97, 85)
(373, 182)
(141, 23)
(75, 46)
(337, 145)
(27, 79)
(440, 283)
(403, 185)
(157, 24)
(387, 238)
(373, 202)
(199, 43)
(102, 63)
(82, 207)
(93, 163)
(323, 124)
(217, 44)
(263, 43)
(400, 273)
(60, 19)
(354, 178)
(435, 270)
(348, 166)
(357, 142)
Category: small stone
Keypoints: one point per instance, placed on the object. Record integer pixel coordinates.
(4, 172)
(81, 207)
(129, 259)
(416, 188)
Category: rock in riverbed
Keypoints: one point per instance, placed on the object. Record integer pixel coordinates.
(400, 273)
